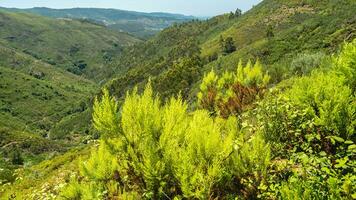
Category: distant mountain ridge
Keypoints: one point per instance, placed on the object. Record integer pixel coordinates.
(140, 24)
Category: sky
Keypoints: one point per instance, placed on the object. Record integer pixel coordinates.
(187, 7)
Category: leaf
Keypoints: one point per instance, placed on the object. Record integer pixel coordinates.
(341, 162)
(322, 153)
(352, 147)
(339, 139)
(349, 142)
(325, 169)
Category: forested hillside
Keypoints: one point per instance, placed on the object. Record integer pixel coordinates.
(139, 24)
(79, 47)
(255, 105)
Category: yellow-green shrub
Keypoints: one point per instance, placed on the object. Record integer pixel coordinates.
(101, 166)
(105, 115)
(232, 93)
(345, 64)
(166, 151)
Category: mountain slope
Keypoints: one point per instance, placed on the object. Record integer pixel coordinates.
(275, 31)
(79, 47)
(36, 101)
(137, 23)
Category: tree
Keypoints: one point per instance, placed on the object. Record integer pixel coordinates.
(227, 45)
(238, 12)
(231, 15)
(16, 157)
(270, 33)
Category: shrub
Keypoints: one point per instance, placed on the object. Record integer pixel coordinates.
(164, 151)
(105, 115)
(330, 102)
(303, 64)
(16, 157)
(310, 122)
(101, 166)
(232, 93)
(345, 64)
(76, 191)
(201, 154)
(227, 45)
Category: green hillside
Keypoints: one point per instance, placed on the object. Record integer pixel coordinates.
(36, 102)
(142, 25)
(79, 47)
(49, 72)
(297, 28)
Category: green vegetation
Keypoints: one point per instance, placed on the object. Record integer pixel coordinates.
(142, 25)
(79, 47)
(45, 106)
(232, 93)
(299, 28)
(258, 105)
(297, 142)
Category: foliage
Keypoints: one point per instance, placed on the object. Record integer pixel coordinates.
(345, 64)
(311, 122)
(16, 157)
(330, 102)
(164, 151)
(232, 93)
(101, 166)
(227, 45)
(303, 64)
(76, 191)
(105, 117)
(199, 160)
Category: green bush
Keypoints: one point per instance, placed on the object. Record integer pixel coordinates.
(329, 100)
(101, 166)
(232, 93)
(165, 151)
(310, 123)
(303, 64)
(297, 143)
(345, 64)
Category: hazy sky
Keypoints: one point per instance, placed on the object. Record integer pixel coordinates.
(188, 7)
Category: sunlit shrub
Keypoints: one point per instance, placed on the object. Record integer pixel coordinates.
(232, 93)
(329, 100)
(101, 166)
(303, 64)
(345, 64)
